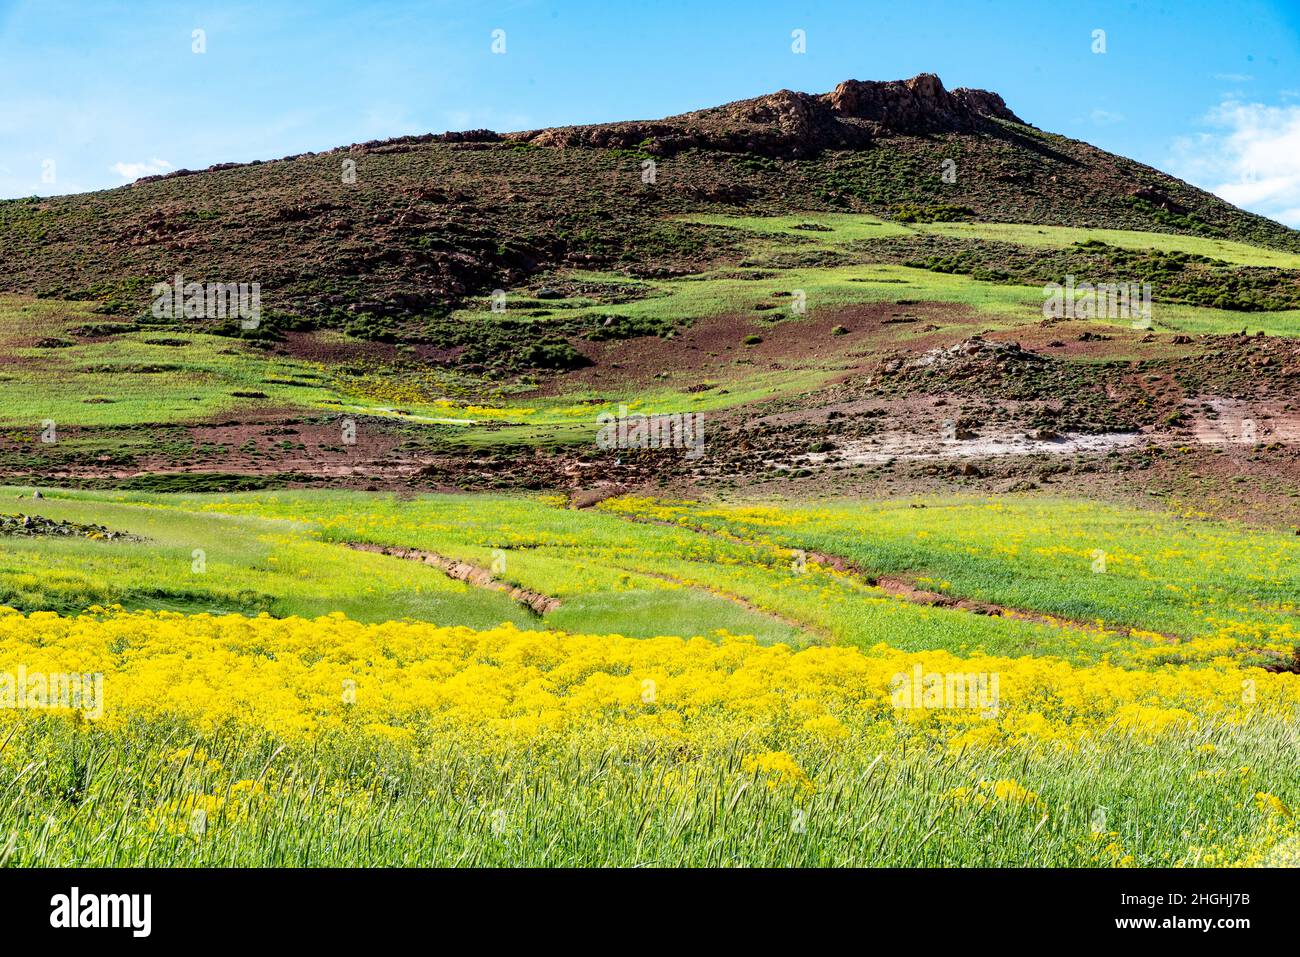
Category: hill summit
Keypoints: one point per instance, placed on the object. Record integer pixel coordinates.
(793, 124)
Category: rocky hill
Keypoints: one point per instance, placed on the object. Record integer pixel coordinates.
(429, 221)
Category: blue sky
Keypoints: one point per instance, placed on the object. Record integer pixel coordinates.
(97, 93)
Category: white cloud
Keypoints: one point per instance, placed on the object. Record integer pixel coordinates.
(134, 171)
(1105, 117)
(1252, 159)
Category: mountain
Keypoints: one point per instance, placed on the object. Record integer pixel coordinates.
(431, 221)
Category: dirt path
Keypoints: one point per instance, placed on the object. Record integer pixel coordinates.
(904, 590)
(475, 575)
(895, 587)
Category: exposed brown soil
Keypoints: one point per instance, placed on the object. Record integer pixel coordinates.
(711, 351)
(1210, 424)
(318, 347)
(474, 575)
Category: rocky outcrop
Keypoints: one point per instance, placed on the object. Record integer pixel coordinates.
(798, 124)
(918, 105)
(1158, 198)
(22, 525)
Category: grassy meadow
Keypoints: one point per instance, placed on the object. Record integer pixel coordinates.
(706, 691)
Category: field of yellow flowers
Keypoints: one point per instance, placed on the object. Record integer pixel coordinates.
(412, 729)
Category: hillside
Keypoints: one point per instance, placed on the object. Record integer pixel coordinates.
(847, 286)
(433, 220)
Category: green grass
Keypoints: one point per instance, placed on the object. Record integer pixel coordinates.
(283, 559)
(249, 565)
(1001, 306)
(837, 229)
(1240, 254)
(591, 560)
(127, 380)
(1010, 305)
(132, 379)
(1157, 571)
(883, 795)
(841, 229)
(1223, 589)
(341, 804)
